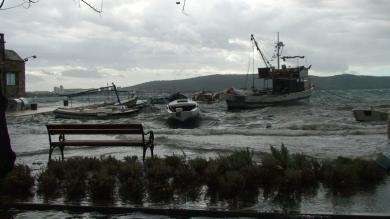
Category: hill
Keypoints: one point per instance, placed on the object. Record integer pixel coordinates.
(221, 82)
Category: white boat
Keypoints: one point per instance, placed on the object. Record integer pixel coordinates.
(281, 85)
(371, 115)
(183, 110)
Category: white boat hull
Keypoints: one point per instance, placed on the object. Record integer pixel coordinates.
(254, 100)
(183, 110)
(184, 115)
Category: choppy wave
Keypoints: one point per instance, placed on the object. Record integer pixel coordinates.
(268, 132)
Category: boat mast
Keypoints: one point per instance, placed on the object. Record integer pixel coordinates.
(116, 93)
(266, 63)
(278, 53)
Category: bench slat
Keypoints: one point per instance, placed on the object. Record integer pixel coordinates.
(94, 126)
(98, 143)
(95, 131)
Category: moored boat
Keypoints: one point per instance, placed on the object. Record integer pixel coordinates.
(106, 110)
(288, 84)
(371, 115)
(204, 97)
(183, 110)
(93, 112)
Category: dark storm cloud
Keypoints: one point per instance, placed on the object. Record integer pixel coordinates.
(154, 37)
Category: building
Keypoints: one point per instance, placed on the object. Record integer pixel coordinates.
(59, 90)
(12, 72)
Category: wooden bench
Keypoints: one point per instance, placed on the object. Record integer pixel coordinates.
(63, 130)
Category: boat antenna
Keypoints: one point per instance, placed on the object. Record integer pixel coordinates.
(266, 62)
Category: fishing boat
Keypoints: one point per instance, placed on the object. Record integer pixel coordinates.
(183, 110)
(281, 84)
(106, 110)
(372, 114)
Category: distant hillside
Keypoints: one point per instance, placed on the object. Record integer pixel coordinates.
(348, 81)
(221, 82)
(209, 83)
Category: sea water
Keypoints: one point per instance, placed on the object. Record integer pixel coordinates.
(323, 127)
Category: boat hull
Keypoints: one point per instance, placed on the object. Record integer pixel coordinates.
(184, 115)
(183, 110)
(251, 100)
(69, 113)
(370, 115)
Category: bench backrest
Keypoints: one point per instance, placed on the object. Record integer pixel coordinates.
(54, 129)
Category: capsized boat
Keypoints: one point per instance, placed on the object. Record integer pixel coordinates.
(281, 85)
(372, 114)
(183, 110)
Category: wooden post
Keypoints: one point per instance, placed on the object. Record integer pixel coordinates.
(388, 129)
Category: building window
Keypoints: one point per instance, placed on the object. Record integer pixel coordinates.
(11, 79)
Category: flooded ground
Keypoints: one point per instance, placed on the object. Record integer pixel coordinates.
(323, 128)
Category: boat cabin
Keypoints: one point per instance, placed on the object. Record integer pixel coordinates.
(286, 80)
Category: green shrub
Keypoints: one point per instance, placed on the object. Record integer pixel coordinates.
(158, 175)
(18, 182)
(346, 176)
(132, 189)
(101, 185)
(48, 184)
(130, 176)
(199, 165)
(74, 187)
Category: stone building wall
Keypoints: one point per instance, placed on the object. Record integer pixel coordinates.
(18, 90)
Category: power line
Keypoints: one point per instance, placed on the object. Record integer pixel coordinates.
(25, 4)
(93, 8)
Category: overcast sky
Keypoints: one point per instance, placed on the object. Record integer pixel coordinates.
(134, 41)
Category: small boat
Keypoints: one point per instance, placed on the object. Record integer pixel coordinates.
(131, 101)
(204, 97)
(371, 115)
(183, 110)
(95, 112)
(280, 85)
(106, 110)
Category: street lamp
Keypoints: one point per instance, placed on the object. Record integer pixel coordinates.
(26, 59)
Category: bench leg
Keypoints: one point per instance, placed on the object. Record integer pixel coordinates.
(144, 153)
(151, 149)
(62, 152)
(50, 152)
